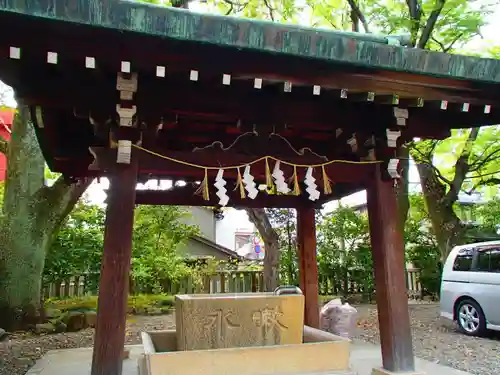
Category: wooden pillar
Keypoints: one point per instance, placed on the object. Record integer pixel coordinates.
(113, 286)
(388, 257)
(308, 267)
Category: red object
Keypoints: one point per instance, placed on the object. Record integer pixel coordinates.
(6, 120)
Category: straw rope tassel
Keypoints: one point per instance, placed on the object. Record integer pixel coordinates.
(296, 187)
(239, 185)
(327, 187)
(203, 189)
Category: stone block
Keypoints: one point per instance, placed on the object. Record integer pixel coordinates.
(90, 319)
(238, 320)
(75, 321)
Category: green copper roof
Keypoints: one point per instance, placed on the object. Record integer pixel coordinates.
(359, 49)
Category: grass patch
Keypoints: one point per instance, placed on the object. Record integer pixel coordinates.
(137, 304)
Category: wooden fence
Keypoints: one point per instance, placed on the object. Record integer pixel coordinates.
(230, 282)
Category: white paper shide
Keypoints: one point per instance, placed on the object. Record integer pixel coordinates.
(312, 188)
(220, 184)
(279, 179)
(249, 183)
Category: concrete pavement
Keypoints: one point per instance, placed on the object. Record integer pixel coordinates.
(364, 357)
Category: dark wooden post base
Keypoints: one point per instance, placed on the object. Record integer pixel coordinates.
(388, 257)
(113, 286)
(308, 267)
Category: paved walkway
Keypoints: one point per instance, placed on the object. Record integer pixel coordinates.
(364, 357)
(78, 361)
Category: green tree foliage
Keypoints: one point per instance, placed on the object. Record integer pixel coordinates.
(77, 248)
(467, 161)
(158, 232)
(156, 259)
(421, 246)
(488, 216)
(344, 253)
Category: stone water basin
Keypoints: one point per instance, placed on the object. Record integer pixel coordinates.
(320, 353)
(242, 334)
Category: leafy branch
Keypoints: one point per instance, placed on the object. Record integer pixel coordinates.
(462, 167)
(61, 197)
(489, 182)
(431, 24)
(450, 46)
(235, 6)
(270, 9)
(359, 15)
(415, 17)
(466, 164)
(481, 162)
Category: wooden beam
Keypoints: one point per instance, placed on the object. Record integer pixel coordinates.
(113, 285)
(240, 101)
(308, 266)
(186, 196)
(388, 258)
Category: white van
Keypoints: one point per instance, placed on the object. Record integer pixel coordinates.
(470, 288)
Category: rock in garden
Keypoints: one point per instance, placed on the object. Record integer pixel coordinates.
(44, 328)
(90, 319)
(60, 327)
(75, 321)
(3, 334)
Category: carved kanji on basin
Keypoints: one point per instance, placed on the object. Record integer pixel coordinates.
(205, 322)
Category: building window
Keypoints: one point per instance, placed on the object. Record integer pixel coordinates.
(463, 261)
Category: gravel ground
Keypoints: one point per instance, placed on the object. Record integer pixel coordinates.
(438, 341)
(22, 351)
(431, 339)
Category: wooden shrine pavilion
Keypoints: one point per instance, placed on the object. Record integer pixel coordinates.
(133, 92)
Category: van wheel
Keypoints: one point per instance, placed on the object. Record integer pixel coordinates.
(470, 318)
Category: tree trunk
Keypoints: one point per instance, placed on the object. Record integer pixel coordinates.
(31, 215)
(291, 253)
(271, 266)
(446, 225)
(259, 218)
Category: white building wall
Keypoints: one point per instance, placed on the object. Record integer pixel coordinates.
(234, 221)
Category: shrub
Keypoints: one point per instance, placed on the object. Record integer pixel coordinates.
(72, 304)
(139, 303)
